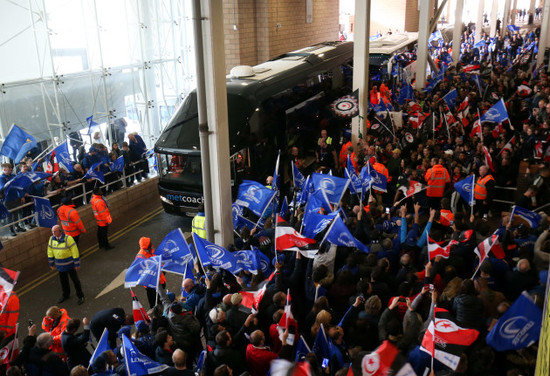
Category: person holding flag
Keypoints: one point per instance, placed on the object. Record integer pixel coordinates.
(146, 251)
(484, 190)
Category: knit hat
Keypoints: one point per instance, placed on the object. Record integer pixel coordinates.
(170, 295)
(144, 242)
(236, 298)
(126, 330)
(141, 326)
(99, 364)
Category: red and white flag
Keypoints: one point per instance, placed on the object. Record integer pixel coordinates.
(288, 239)
(450, 119)
(538, 150)
(476, 129)
(508, 146)
(413, 188)
(471, 68)
(138, 310)
(252, 299)
(385, 360)
(490, 244)
(8, 279)
(488, 159)
(438, 249)
(414, 107)
(10, 351)
(445, 340)
(524, 90)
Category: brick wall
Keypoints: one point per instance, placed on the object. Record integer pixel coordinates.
(27, 252)
(390, 14)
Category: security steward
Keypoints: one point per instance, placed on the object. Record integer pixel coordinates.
(102, 215)
(70, 220)
(483, 191)
(198, 226)
(437, 177)
(146, 250)
(63, 256)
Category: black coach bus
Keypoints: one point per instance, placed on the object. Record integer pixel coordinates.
(271, 106)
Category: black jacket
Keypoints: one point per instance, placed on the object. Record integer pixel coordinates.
(75, 347)
(112, 319)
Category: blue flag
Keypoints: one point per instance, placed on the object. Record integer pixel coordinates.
(254, 196)
(297, 176)
(529, 216)
(475, 77)
(321, 346)
(305, 191)
(519, 327)
(302, 350)
(496, 114)
(136, 363)
(45, 215)
(183, 266)
(173, 247)
(22, 182)
(339, 234)
(246, 260)
(63, 158)
(284, 208)
(314, 223)
(480, 44)
(95, 173)
(513, 28)
(355, 186)
(4, 213)
(91, 123)
(436, 35)
(432, 83)
(406, 93)
(450, 98)
(102, 345)
(263, 261)
(316, 201)
(143, 272)
(372, 178)
(17, 143)
(200, 362)
(214, 255)
(118, 164)
(333, 186)
(465, 189)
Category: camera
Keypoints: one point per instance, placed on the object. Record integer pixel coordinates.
(31, 323)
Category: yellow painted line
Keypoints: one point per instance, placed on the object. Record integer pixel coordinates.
(89, 251)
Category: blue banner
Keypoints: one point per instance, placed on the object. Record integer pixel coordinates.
(91, 123)
(406, 93)
(246, 260)
(22, 182)
(95, 173)
(339, 234)
(118, 164)
(496, 114)
(17, 143)
(321, 346)
(214, 255)
(297, 176)
(465, 188)
(173, 247)
(372, 178)
(302, 350)
(436, 35)
(254, 196)
(263, 261)
(183, 266)
(529, 216)
(316, 201)
(450, 98)
(136, 363)
(63, 158)
(45, 214)
(143, 272)
(519, 327)
(314, 223)
(513, 28)
(333, 186)
(102, 345)
(305, 191)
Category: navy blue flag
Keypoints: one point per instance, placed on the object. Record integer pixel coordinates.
(333, 186)
(284, 208)
(302, 350)
(314, 223)
(173, 247)
(304, 193)
(236, 212)
(518, 328)
(254, 196)
(118, 164)
(529, 216)
(102, 345)
(63, 158)
(246, 260)
(316, 201)
(372, 178)
(183, 266)
(355, 186)
(321, 346)
(214, 255)
(450, 98)
(297, 176)
(263, 261)
(4, 213)
(45, 215)
(513, 28)
(200, 362)
(496, 114)
(91, 123)
(143, 272)
(94, 173)
(339, 234)
(17, 143)
(22, 182)
(136, 363)
(406, 93)
(465, 188)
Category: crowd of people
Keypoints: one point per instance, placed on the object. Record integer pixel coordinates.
(362, 302)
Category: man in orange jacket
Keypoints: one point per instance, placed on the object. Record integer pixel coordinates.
(146, 250)
(437, 177)
(55, 322)
(102, 215)
(70, 220)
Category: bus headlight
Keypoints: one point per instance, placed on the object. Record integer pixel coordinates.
(164, 199)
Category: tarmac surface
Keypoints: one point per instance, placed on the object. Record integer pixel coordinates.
(101, 274)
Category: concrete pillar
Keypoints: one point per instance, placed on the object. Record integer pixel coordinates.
(457, 31)
(505, 18)
(479, 22)
(493, 20)
(216, 99)
(544, 28)
(514, 8)
(361, 65)
(422, 52)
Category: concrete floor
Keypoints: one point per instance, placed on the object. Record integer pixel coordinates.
(101, 271)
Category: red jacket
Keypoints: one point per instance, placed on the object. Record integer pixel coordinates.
(259, 360)
(56, 331)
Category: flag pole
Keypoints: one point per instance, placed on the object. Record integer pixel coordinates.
(263, 212)
(433, 125)
(406, 197)
(158, 281)
(275, 240)
(198, 255)
(472, 199)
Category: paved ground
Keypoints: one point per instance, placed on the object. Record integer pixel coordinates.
(102, 271)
